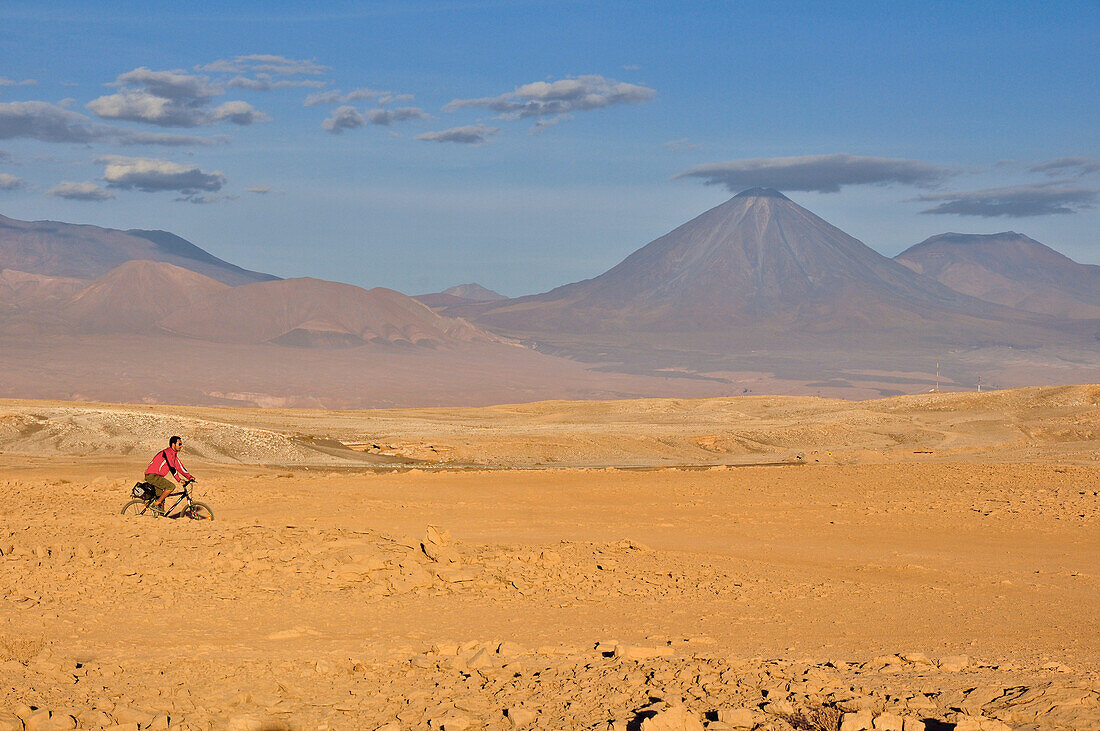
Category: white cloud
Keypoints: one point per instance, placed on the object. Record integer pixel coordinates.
(203, 198)
(1017, 201)
(818, 173)
(241, 113)
(336, 96)
(548, 122)
(169, 99)
(271, 64)
(262, 63)
(266, 83)
(363, 93)
(386, 117)
(5, 81)
(175, 85)
(343, 118)
(548, 99)
(474, 134)
(141, 106)
(87, 191)
(169, 140)
(10, 182)
(152, 175)
(322, 97)
(1079, 166)
(50, 123)
(681, 145)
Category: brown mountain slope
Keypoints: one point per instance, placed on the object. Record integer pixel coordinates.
(313, 312)
(21, 291)
(1010, 269)
(70, 250)
(136, 296)
(440, 301)
(758, 265)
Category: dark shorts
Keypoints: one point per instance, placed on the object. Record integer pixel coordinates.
(161, 484)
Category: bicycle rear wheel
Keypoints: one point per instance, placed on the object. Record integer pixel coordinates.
(136, 507)
(198, 511)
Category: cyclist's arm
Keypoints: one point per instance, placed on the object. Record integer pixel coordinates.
(179, 470)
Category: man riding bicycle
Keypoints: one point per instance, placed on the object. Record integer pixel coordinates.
(166, 460)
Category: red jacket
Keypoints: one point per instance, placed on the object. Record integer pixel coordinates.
(166, 461)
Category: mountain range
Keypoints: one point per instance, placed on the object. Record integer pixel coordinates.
(758, 263)
(58, 249)
(755, 294)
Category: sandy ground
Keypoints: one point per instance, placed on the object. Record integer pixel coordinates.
(929, 562)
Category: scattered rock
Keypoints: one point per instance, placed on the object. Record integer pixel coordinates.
(45, 720)
(673, 718)
(479, 660)
(519, 717)
(857, 721)
(739, 717)
(436, 545)
(509, 649)
(917, 658)
(889, 722)
(954, 663)
(245, 722)
(127, 714)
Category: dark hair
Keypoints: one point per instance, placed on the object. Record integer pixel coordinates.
(173, 440)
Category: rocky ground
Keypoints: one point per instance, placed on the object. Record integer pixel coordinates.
(956, 594)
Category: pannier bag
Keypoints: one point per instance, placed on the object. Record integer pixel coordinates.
(144, 491)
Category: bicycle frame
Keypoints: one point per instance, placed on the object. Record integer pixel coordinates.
(184, 495)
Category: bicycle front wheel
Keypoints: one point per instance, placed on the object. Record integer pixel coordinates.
(136, 507)
(199, 511)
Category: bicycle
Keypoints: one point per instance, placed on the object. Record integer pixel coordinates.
(147, 506)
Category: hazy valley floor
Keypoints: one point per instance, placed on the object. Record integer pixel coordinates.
(954, 593)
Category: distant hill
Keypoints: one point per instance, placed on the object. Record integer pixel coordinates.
(21, 291)
(461, 294)
(136, 297)
(78, 251)
(1010, 269)
(440, 302)
(310, 312)
(475, 292)
(759, 265)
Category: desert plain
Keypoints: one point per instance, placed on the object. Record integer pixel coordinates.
(915, 562)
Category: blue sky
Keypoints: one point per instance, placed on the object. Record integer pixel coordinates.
(524, 145)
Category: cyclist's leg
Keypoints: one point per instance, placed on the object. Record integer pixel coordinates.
(162, 485)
